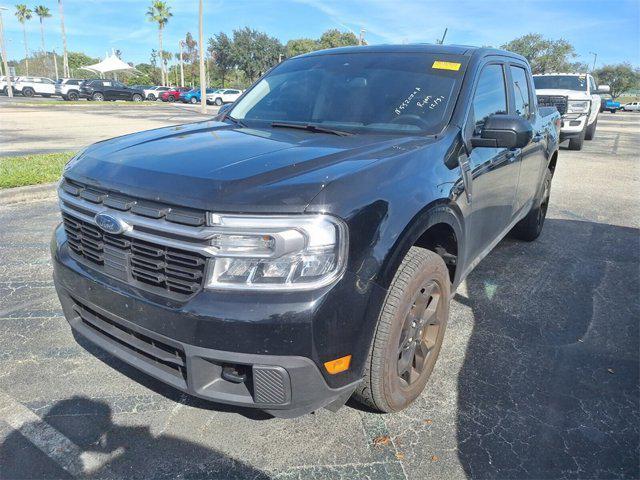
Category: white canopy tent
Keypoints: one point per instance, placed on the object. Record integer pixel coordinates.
(111, 63)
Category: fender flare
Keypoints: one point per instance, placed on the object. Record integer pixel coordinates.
(433, 214)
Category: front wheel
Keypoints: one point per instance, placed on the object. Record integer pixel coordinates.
(28, 92)
(218, 101)
(591, 130)
(193, 100)
(409, 333)
(530, 227)
(98, 97)
(72, 96)
(171, 99)
(151, 97)
(136, 97)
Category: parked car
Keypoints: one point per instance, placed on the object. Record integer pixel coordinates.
(173, 94)
(305, 247)
(610, 105)
(194, 95)
(226, 95)
(100, 90)
(30, 86)
(153, 93)
(68, 88)
(576, 96)
(631, 107)
(4, 83)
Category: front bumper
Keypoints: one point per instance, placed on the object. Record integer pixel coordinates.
(573, 125)
(277, 341)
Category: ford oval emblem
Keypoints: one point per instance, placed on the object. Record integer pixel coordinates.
(109, 223)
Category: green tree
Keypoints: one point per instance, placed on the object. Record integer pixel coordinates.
(190, 56)
(24, 13)
(159, 12)
(299, 46)
(221, 51)
(620, 78)
(76, 60)
(544, 55)
(335, 38)
(255, 52)
(42, 12)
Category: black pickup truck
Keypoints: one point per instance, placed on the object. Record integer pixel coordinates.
(303, 247)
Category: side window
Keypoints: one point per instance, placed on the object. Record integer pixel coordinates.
(521, 91)
(491, 94)
(106, 84)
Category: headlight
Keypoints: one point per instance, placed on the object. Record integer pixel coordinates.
(578, 106)
(276, 252)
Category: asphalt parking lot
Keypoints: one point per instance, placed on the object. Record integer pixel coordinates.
(43, 125)
(538, 376)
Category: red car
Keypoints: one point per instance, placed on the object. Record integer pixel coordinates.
(173, 94)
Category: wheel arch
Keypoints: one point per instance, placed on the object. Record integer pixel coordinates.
(437, 227)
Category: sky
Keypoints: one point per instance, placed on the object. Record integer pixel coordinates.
(609, 28)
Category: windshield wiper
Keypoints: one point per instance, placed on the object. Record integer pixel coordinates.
(311, 128)
(234, 120)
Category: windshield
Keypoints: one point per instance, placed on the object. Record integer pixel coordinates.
(359, 92)
(561, 82)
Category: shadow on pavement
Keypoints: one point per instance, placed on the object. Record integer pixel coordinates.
(549, 385)
(106, 449)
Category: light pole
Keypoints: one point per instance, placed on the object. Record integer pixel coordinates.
(595, 57)
(4, 55)
(203, 91)
(65, 59)
(361, 38)
(181, 68)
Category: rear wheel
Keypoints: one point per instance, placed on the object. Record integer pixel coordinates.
(151, 97)
(193, 100)
(136, 97)
(591, 130)
(73, 96)
(409, 333)
(28, 92)
(530, 227)
(98, 97)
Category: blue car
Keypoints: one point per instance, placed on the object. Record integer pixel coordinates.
(193, 95)
(610, 105)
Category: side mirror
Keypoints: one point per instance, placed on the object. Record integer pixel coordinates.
(224, 109)
(603, 89)
(504, 131)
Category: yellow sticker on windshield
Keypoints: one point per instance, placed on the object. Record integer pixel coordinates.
(446, 65)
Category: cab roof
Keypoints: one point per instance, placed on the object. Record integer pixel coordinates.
(428, 48)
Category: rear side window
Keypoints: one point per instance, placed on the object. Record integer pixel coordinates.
(491, 94)
(521, 91)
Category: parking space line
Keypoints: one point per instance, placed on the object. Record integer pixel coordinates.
(51, 441)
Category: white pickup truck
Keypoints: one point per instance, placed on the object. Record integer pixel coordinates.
(576, 96)
(30, 86)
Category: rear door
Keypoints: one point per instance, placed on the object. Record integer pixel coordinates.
(494, 171)
(532, 157)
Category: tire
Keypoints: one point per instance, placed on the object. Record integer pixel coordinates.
(28, 92)
(422, 280)
(591, 130)
(193, 100)
(98, 97)
(530, 227)
(218, 102)
(576, 143)
(136, 97)
(171, 99)
(73, 96)
(613, 111)
(151, 97)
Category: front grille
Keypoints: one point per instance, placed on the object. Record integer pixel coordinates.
(151, 266)
(169, 358)
(558, 101)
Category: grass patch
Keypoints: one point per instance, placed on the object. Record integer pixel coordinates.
(32, 169)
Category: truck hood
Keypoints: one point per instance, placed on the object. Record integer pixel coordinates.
(217, 167)
(570, 94)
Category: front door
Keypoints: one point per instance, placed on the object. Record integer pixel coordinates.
(494, 171)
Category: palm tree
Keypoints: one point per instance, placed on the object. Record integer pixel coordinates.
(42, 12)
(159, 12)
(24, 13)
(65, 61)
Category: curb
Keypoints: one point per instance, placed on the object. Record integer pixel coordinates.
(27, 194)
